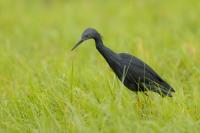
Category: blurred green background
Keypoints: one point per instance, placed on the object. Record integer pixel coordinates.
(44, 87)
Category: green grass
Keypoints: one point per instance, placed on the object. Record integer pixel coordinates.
(46, 88)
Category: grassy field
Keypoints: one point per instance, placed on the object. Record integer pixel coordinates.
(44, 87)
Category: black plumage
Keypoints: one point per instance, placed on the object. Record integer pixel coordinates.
(133, 72)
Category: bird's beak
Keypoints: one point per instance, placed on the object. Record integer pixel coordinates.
(77, 44)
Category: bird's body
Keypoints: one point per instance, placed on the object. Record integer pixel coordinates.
(131, 71)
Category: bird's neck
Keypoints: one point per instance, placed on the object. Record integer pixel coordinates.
(103, 50)
(99, 43)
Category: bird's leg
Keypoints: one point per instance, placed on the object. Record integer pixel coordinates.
(138, 104)
(148, 101)
(146, 94)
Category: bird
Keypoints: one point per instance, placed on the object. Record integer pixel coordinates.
(130, 70)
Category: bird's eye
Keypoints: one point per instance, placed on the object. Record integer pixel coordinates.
(87, 36)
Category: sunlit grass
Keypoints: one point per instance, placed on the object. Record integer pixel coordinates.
(44, 87)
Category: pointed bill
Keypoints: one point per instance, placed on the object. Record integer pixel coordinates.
(77, 44)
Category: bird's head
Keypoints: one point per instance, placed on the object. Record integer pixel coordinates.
(89, 33)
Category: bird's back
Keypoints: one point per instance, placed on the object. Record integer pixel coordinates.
(146, 78)
(134, 73)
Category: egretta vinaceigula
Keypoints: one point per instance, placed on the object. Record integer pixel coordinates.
(131, 71)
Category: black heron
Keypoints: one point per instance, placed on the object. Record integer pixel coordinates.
(131, 71)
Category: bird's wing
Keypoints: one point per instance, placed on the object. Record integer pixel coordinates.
(138, 71)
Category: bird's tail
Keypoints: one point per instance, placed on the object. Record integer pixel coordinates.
(167, 86)
(163, 91)
(166, 90)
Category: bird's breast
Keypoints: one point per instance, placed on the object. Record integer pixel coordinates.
(116, 66)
